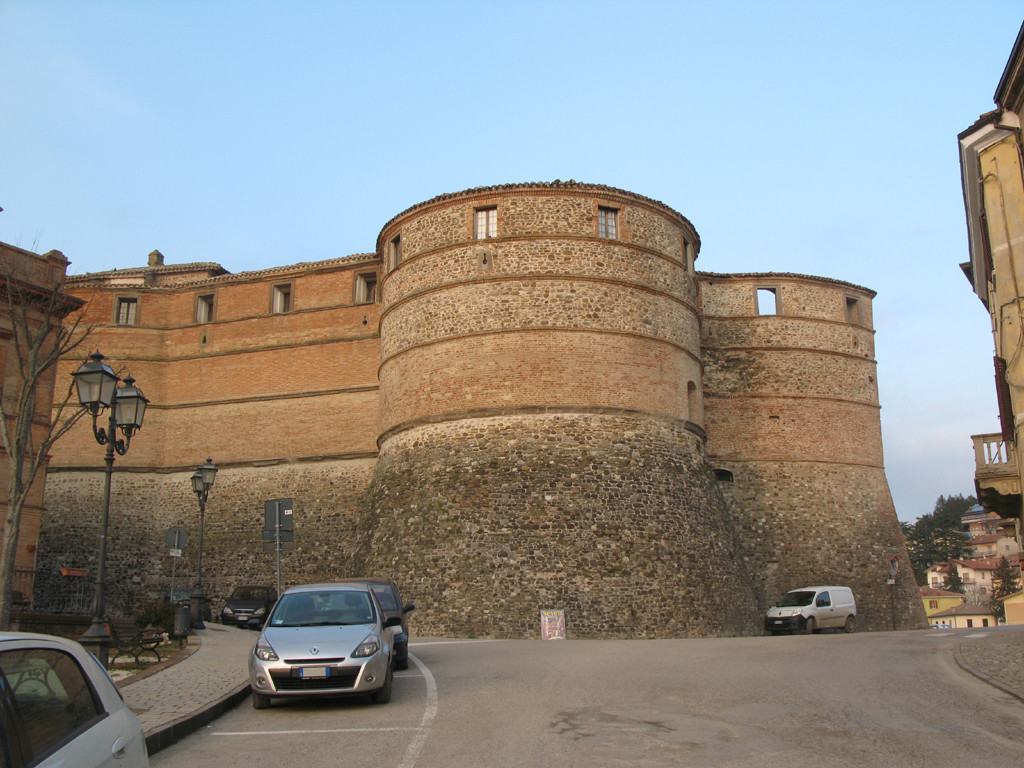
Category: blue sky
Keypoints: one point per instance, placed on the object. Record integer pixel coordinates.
(817, 138)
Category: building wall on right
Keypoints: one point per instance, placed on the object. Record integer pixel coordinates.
(993, 189)
(794, 437)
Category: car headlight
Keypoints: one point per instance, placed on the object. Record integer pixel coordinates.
(259, 611)
(228, 611)
(264, 651)
(368, 647)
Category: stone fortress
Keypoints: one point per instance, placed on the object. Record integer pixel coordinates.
(526, 398)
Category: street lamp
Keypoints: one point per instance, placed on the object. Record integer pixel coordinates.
(97, 389)
(202, 482)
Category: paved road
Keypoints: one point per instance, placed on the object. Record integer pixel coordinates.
(873, 699)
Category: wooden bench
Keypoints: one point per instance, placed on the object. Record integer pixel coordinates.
(127, 638)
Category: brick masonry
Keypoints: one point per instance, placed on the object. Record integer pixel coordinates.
(534, 420)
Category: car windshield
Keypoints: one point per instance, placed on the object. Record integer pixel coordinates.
(322, 609)
(250, 593)
(791, 599)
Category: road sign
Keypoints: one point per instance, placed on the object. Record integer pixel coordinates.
(278, 511)
(177, 537)
(175, 553)
(894, 567)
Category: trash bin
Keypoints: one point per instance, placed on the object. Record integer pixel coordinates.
(182, 620)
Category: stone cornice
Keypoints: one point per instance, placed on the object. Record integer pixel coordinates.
(747, 276)
(545, 187)
(540, 410)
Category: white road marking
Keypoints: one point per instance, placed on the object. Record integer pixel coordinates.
(450, 642)
(429, 712)
(421, 732)
(310, 730)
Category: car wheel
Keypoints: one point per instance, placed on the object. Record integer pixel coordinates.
(809, 627)
(402, 663)
(850, 625)
(259, 701)
(383, 695)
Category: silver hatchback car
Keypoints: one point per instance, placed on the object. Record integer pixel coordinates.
(324, 640)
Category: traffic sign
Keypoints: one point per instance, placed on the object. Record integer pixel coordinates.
(177, 537)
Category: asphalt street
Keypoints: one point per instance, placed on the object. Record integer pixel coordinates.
(871, 699)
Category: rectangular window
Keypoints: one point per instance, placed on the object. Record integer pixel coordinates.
(970, 623)
(282, 299)
(485, 223)
(852, 310)
(127, 310)
(607, 223)
(366, 288)
(767, 301)
(204, 308)
(396, 251)
(933, 603)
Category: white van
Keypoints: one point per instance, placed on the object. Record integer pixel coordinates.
(812, 608)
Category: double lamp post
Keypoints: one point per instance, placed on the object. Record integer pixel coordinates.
(97, 388)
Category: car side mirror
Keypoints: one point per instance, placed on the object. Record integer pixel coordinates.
(393, 621)
(408, 607)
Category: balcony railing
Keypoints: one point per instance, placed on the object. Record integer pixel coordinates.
(991, 452)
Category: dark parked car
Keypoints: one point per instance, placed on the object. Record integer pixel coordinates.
(391, 603)
(249, 606)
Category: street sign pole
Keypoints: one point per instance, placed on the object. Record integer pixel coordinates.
(894, 569)
(176, 538)
(277, 541)
(278, 530)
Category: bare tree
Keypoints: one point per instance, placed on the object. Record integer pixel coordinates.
(35, 418)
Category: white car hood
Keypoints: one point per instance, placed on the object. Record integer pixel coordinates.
(316, 643)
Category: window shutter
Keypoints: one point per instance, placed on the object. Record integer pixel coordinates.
(1003, 398)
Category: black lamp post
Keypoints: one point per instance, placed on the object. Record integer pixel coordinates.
(202, 482)
(97, 389)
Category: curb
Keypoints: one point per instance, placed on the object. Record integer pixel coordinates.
(962, 663)
(166, 735)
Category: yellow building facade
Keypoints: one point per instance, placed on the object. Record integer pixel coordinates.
(993, 189)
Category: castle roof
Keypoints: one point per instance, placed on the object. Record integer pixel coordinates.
(217, 273)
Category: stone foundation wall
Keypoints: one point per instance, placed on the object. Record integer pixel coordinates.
(327, 499)
(614, 519)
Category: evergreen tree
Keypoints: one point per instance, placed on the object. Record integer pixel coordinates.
(937, 537)
(1005, 582)
(953, 582)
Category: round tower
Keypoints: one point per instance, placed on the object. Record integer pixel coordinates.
(541, 440)
(795, 439)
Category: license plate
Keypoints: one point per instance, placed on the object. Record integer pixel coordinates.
(313, 672)
(776, 622)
